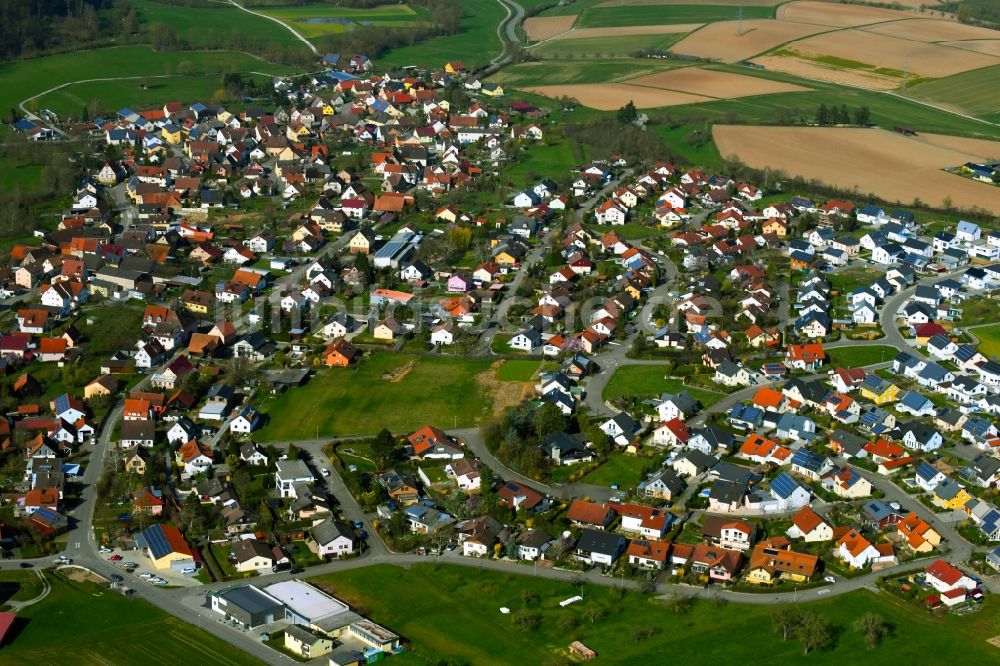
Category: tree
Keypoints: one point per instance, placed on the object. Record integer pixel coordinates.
(548, 419)
(628, 114)
(293, 452)
(862, 116)
(822, 115)
(593, 613)
(527, 620)
(816, 632)
(384, 448)
(786, 621)
(678, 603)
(873, 627)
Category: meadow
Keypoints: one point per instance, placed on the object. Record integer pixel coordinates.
(202, 27)
(421, 603)
(79, 623)
(366, 398)
(23, 79)
(974, 92)
(610, 16)
(989, 339)
(858, 355)
(605, 46)
(475, 46)
(317, 19)
(649, 380)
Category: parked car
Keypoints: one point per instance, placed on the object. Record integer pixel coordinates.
(116, 558)
(296, 570)
(830, 579)
(118, 578)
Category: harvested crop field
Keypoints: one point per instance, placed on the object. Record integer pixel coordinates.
(987, 46)
(889, 165)
(744, 3)
(629, 30)
(611, 96)
(713, 84)
(810, 69)
(721, 41)
(933, 30)
(546, 27)
(837, 16)
(862, 46)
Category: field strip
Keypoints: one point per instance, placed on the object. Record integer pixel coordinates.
(627, 31)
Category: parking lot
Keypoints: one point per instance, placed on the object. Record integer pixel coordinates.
(120, 558)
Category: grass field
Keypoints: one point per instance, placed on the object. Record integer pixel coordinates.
(26, 78)
(114, 95)
(475, 46)
(517, 371)
(632, 230)
(848, 280)
(860, 354)
(78, 623)
(989, 339)
(974, 92)
(422, 602)
(540, 161)
(648, 380)
(605, 46)
(333, 19)
(18, 585)
(621, 469)
(342, 401)
(610, 17)
(201, 27)
(14, 174)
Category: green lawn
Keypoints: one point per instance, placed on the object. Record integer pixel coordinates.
(78, 623)
(979, 310)
(421, 603)
(587, 47)
(14, 174)
(344, 401)
(18, 585)
(633, 230)
(660, 14)
(850, 279)
(861, 354)
(648, 380)
(316, 20)
(202, 27)
(989, 339)
(475, 46)
(974, 91)
(537, 161)
(518, 370)
(620, 468)
(25, 78)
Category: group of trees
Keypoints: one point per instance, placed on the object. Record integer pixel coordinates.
(29, 26)
(818, 633)
(841, 115)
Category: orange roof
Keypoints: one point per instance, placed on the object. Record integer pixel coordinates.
(807, 520)
(52, 345)
(853, 542)
(883, 448)
(137, 406)
(192, 449)
(812, 351)
(649, 550)
(651, 518)
(767, 397)
(581, 511)
(42, 497)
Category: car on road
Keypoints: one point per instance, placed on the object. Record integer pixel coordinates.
(296, 570)
(357, 524)
(26, 565)
(326, 472)
(116, 558)
(830, 579)
(131, 565)
(118, 578)
(145, 575)
(105, 551)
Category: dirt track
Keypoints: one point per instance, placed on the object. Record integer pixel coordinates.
(889, 165)
(626, 31)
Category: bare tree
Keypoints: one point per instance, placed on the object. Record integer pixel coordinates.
(874, 628)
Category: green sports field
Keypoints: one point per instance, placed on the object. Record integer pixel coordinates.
(421, 603)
